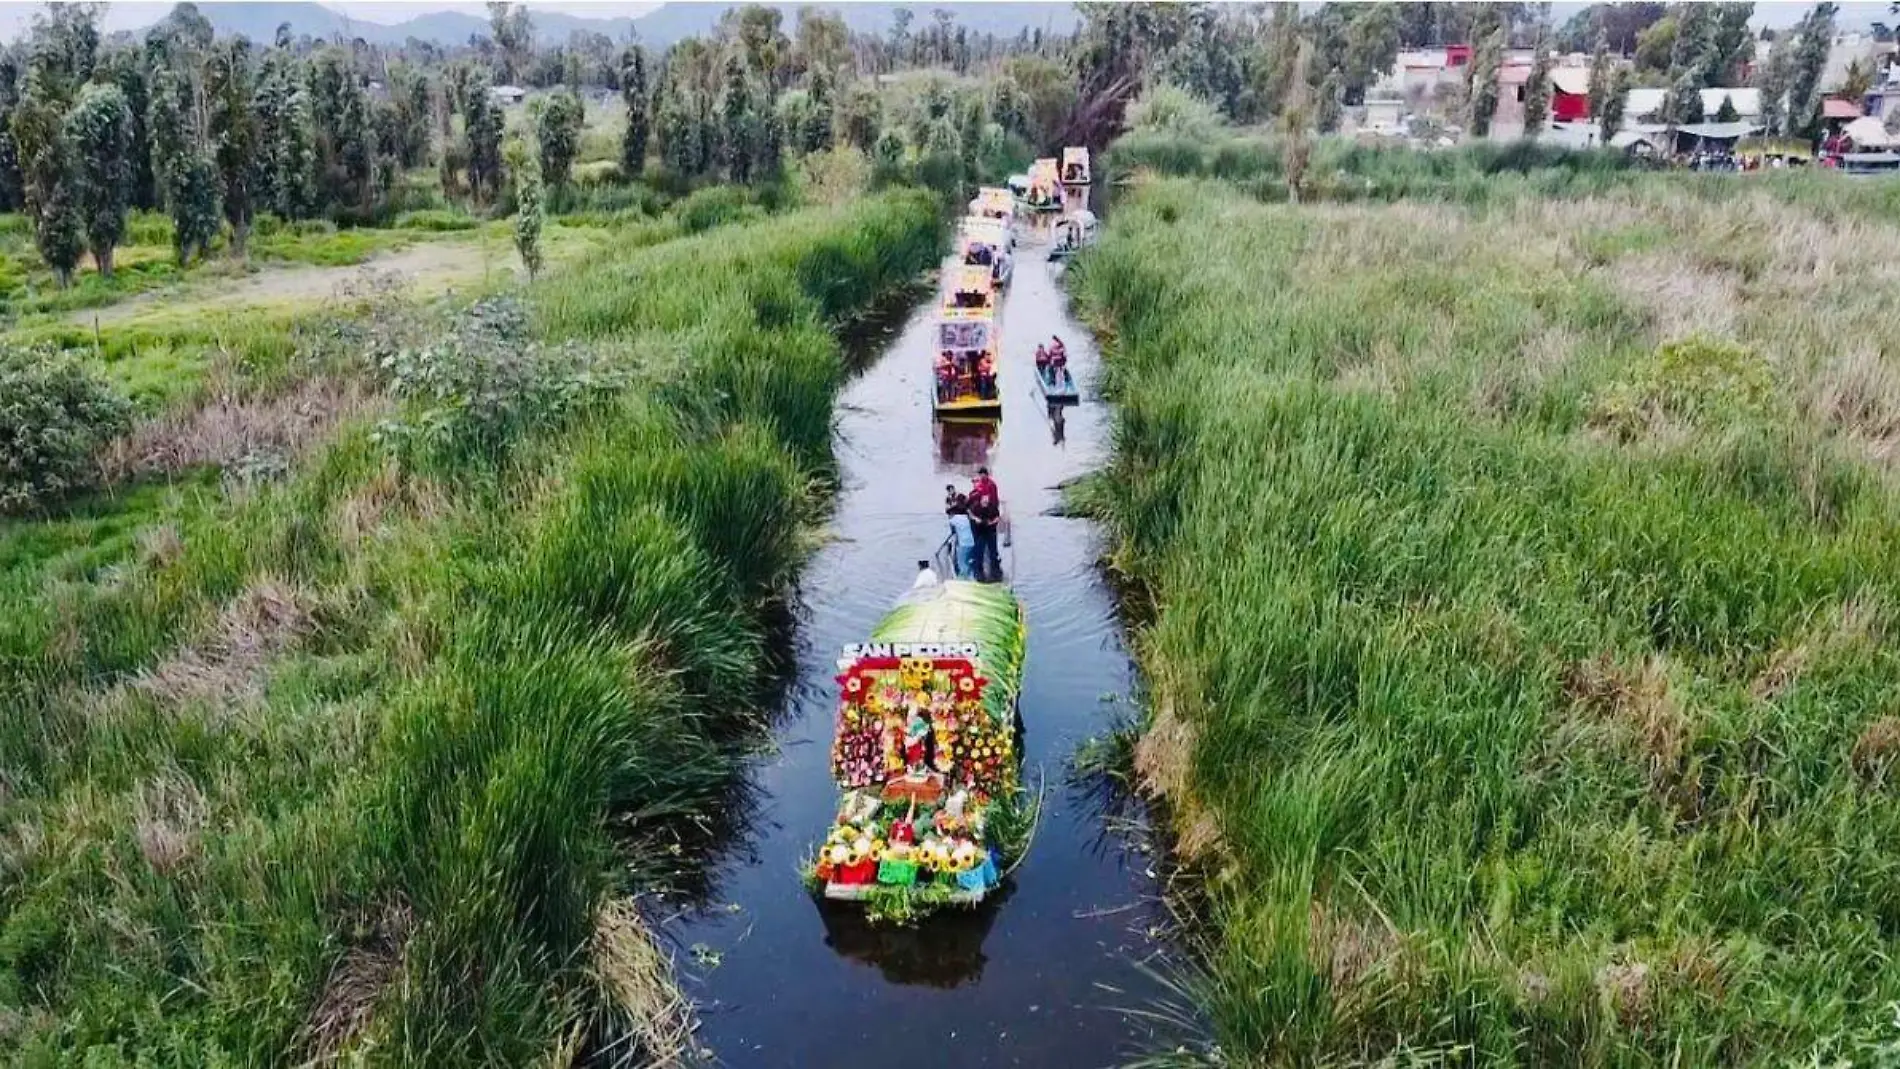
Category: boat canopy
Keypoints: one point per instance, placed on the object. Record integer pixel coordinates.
(1075, 166)
(965, 335)
(955, 613)
(971, 289)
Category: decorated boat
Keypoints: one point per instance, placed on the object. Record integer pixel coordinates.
(1045, 190)
(994, 203)
(968, 346)
(927, 754)
(1075, 166)
(986, 243)
(1073, 233)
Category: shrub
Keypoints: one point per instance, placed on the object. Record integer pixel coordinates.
(435, 220)
(53, 416)
(1696, 380)
(715, 206)
(1168, 109)
(472, 394)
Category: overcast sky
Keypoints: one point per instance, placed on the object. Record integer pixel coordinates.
(15, 16)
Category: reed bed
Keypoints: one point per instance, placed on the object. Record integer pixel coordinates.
(362, 765)
(1521, 580)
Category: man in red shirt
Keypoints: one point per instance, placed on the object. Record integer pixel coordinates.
(986, 513)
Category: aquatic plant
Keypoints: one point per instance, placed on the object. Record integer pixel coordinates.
(363, 763)
(1504, 735)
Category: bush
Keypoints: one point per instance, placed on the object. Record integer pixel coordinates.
(475, 392)
(53, 416)
(435, 220)
(711, 207)
(1168, 109)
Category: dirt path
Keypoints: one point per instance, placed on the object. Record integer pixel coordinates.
(428, 267)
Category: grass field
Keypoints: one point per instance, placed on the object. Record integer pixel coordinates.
(1523, 579)
(365, 758)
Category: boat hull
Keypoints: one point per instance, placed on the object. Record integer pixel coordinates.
(1063, 392)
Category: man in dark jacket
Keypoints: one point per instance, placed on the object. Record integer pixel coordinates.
(986, 514)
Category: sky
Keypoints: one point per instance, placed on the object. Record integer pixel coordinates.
(16, 15)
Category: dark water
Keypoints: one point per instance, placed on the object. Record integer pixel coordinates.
(1038, 977)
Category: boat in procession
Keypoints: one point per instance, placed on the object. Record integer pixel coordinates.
(1057, 384)
(986, 243)
(969, 346)
(994, 204)
(927, 754)
(1044, 192)
(1075, 166)
(1073, 233)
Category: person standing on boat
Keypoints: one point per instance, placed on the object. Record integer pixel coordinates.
(962, 539)
(986, 514)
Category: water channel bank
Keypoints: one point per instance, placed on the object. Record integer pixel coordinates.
(1038, 977)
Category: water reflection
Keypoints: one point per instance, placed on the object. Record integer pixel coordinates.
(946, 952)
(963, 445)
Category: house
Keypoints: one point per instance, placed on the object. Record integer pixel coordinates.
(1570, 94)
(1384, 115)
(1643, 107)
(508, 94)
(1835, 110)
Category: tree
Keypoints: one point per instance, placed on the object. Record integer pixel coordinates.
(514, 38)
(823, 41)
(1727, 112)
(1296, 146)
(633, 92)
(1326, 102)
(1537, 89)
(1618, 23)
(99, 129)
(761, 42)
(232, 92)
(1815, 35)
(1371, 46)
(1654, 45)
(482, 126)
(530, 214)
(1601, 74)
(1610, 119)
(286, 154)
(1772, 79)
(11, 192)
(816, 134)
(183, 162)
(736, 134)
(557, 131)
(860, 118)
(47, 165)
(1482, 96)
(1857, 81)
(1683, 105)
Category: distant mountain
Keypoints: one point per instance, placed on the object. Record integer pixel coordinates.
(658, 28)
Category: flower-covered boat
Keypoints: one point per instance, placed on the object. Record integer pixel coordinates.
(926, 752)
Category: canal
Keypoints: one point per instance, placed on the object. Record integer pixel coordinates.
(1039, 975)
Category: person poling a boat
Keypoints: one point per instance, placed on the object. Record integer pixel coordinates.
(986, 515)
(962, 538)
(1058, 370)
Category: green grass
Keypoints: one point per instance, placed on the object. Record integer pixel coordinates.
(1484, 172)
(1529, 677)
(385, 739)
